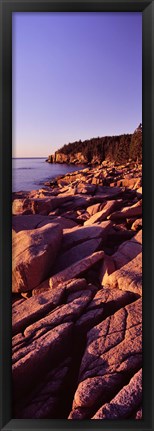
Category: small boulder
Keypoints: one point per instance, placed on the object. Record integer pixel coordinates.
(128, 212)
(76, 269)
(102, 215)
(33, 254)
(128, 277)
(128, 250)
(38, 206)
(76, 253)
(93, 209)
(72, 237)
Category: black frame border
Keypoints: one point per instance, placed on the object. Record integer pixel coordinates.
(7, 7)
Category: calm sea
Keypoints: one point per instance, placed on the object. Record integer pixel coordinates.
(30, 174)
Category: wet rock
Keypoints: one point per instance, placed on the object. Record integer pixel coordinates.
(33, 254)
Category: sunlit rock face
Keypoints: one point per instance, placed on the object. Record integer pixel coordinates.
(77, 296)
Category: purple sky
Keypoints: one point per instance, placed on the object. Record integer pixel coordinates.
(75, 76)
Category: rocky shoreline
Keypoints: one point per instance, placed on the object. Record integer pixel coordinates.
(77, 296)
(117, 149)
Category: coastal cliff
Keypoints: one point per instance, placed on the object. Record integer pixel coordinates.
(96, 150)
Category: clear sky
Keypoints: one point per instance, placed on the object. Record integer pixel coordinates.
(75, 76)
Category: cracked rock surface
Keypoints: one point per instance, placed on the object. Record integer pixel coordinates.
(113, 352)
(77, 296)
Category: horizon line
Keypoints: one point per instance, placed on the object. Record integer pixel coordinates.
(82, 140)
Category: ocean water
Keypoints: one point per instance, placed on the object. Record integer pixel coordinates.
(31, 173)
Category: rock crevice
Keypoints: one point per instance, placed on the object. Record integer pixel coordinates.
(77, 296)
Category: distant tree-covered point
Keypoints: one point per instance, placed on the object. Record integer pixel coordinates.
(119, 149)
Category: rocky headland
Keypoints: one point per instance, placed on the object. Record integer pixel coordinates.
(77, 296)
(94, 151)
